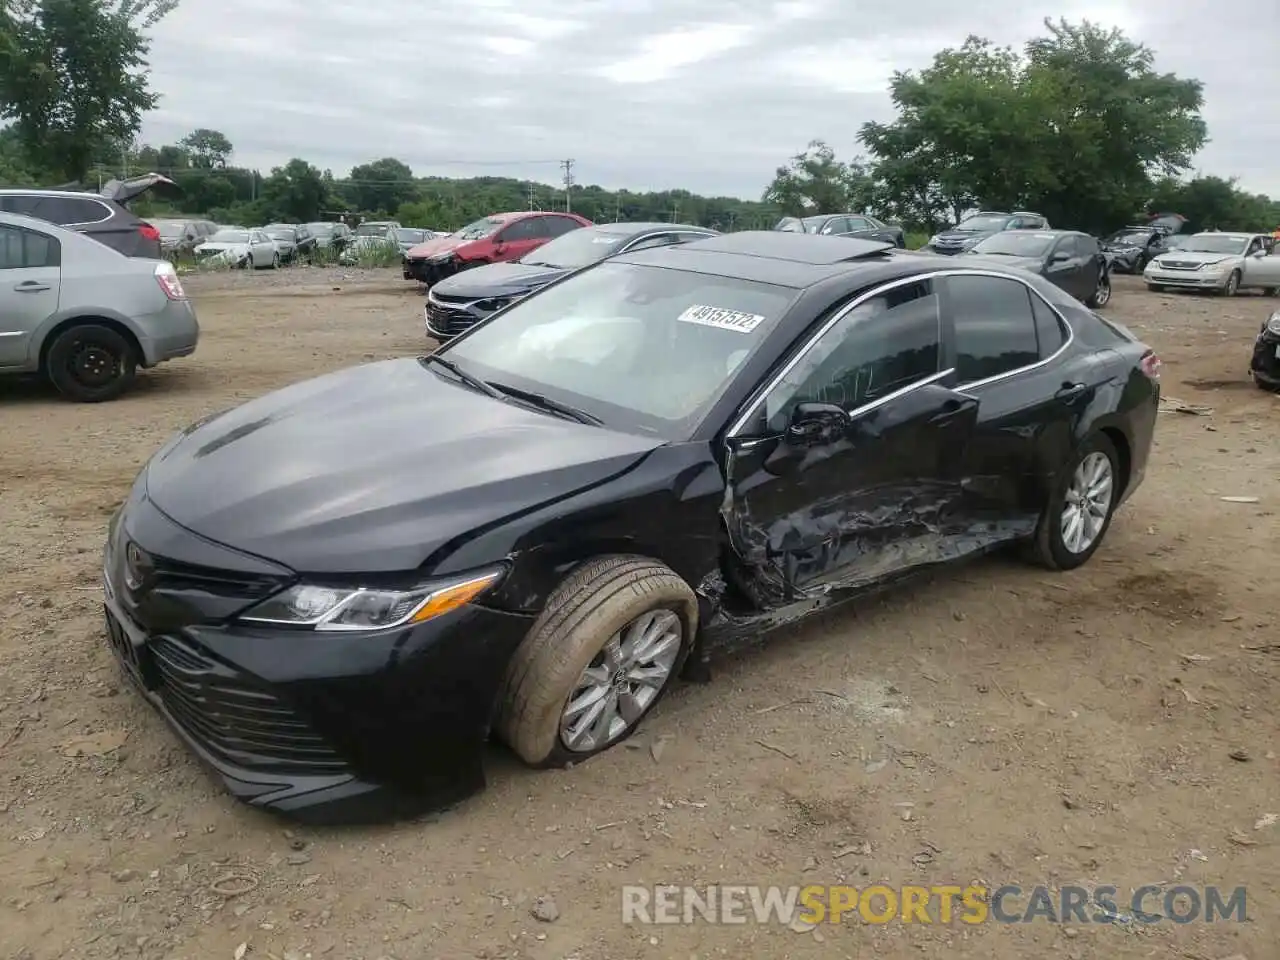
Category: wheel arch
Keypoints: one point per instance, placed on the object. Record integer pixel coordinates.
(62, 326)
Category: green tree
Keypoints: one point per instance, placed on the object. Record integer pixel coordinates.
(1073, 127)
(295, 191)
(381, 185)
(1213, 202)
(207, 149)
(72, 76)
(812, 182)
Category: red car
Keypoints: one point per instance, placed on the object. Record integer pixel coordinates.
(496, 238)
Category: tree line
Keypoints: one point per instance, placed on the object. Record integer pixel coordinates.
(1077, 125)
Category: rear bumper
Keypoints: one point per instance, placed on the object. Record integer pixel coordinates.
(430, 271)
(170, 333)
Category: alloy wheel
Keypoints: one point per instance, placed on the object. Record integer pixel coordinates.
(622, 682)
(1088, 502)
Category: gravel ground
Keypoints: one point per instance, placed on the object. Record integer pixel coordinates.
(1114, 725)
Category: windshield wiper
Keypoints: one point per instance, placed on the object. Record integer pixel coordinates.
(546, 403)
(474, 382)
(540, 263)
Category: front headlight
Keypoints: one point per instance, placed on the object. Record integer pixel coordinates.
(934, 239)
(440, 257)
(333, 609)
(494, 304)
(1273, 324)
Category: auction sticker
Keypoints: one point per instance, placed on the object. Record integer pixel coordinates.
(721, 318)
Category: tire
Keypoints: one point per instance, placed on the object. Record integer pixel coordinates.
(588, 610)
(1233, 284)
(1271, 292)
(1049, 547)
(275, 261)
(1155, 288)
(248, 263)
(1101, 294)
(90, 363)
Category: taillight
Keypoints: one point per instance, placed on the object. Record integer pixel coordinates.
(167, 277)
(1150, 365)
(148, 231)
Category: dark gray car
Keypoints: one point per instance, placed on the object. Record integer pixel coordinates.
(1067, 258)
(856, 225)
(103, 215)
(974, 228)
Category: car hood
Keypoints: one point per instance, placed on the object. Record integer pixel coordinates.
(497, 279)
(221, 247)
(957, 235)
(375, 468)
(435, 247)
(1200, 259)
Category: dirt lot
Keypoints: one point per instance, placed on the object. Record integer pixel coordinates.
(1116, 725)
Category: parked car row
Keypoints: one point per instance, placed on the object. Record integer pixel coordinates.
(498, 238)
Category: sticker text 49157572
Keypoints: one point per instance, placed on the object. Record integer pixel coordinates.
(721, 318)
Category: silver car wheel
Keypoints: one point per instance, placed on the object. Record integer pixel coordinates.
(622, 682)
(1088, 503)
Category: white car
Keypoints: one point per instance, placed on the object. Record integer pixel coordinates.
(1223, 262)
(242, 247)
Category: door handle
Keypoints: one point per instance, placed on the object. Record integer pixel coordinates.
(1071, 391)
(30, 286)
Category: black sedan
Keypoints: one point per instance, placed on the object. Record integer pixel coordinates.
(1131, 249)
(336, 592)
(457, 303)
(856, 225)
(1071, 260)
(1265, 364)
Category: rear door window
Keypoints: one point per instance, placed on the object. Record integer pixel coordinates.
(71, 210)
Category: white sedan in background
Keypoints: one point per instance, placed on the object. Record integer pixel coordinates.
(1222, 262)
(243, 247)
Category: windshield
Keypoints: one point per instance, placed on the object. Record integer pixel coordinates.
(814, 224)
(790, 225)
(280, 233)
(320, 229)
(1216, 243)
(595, 340)
(411, 236)
(1015, 244)
(371, 230)
(984, 222)
(577, 248)
(1130, 237)
(1176, 243)
(169, 229)
(480, 229)
(230, 236)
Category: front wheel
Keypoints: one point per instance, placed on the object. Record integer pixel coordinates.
(1233, 284)
(1101, 293)
(275, 261)
(603, 652)
(1080, 507)
(91, 363)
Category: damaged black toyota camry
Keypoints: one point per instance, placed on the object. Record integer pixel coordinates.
(336, 593)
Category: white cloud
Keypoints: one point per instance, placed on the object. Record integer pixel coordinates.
(709, 96)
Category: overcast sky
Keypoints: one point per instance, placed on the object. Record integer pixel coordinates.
(709, 95)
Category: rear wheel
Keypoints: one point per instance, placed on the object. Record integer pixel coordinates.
(1101, 293)
(1080, 507)
(596, 661)
(91, 363)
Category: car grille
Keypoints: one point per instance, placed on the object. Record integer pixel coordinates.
(448, 315)
(1179, 265)
(233, 717)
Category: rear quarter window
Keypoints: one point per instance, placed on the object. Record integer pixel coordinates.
(71, 210)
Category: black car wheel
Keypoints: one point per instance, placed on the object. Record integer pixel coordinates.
(275, 260)
(1080, 508)
(1233, 284)
(601, 655)
(91, 363)
(1102, 292)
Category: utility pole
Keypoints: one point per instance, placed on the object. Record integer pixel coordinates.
(675, 213)
(567, 165)
(533, 203)
(617, 208)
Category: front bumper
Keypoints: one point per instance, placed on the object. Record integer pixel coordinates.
(947, 250)
(1265, 364)
(1187, 279)
(430, 271)
(445, 321)
(325, 730)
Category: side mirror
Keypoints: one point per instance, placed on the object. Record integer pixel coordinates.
(816, 424)
(1060, 257)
